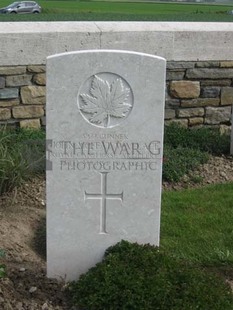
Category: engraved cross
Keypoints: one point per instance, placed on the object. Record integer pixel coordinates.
(103, 197)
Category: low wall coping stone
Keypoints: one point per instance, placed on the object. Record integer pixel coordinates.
(30, 43)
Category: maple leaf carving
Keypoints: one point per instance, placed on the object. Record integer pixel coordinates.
(105, 101)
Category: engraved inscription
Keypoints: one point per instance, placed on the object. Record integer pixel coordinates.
(107, 100)
(103, 196)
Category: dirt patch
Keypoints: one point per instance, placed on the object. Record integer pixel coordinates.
(26, 286)
(22, 231)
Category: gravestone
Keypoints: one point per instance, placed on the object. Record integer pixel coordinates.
(105, 114)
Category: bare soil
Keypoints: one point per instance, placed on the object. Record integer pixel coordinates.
(22, 237)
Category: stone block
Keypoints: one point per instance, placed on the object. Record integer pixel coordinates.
(195, 121)
(12, 70)
(180, 64)
(170, 113)
(18, 80)
(30, 123)
(210, 92)
(218, 115)
(9, 93)
(181, 122)
(227, 96)
(224, 129)
(226, 64)
(40, 79)
(43, 120)
(9, 103)
(33, 94)
(185, 89)
(222, 82)
(191, 112)
(5, 114)
(200, 102)
(207, 64)
(172, 103)
(2, 82)
(36, 68)
(209, 73)
(28, 111)
(175, 75)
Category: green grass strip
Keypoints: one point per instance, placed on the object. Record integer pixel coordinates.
(197, 224)
(122, 11)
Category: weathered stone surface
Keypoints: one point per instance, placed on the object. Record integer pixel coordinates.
(9, 103)
(36, 68)
(40, 79)
(226, 64)
(224, 129)
(30, 123)
(222, 82)
(217, 115)
(175, 75)
(5, 114)
(217, 73)
(172, 103)
(210, 92)
(170, 113)
(185, 89)
(12, 70)
(33, 94)
(191, 112)
(194, 121)
(200, 102)
(207, 64)
(181, 122)
(127, 201)
(9, 93)
(227, 96)
(18, 80)
(43, 120)
(2, 82)
(27, 111)
(180, 64)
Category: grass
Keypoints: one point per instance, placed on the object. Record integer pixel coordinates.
(197, 224)
(185, 273)
(22, 154)
(185, 149)
(196, 235)
(133, 276)
(123, 11)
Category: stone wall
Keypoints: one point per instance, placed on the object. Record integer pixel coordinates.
(22, 96)
(199, 93)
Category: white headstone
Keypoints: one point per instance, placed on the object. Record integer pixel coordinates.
(105, 114)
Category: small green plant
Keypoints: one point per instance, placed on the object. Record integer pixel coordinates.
(204, 139)
(181, 160)
(185, 149)
(134, 277)
(2, 266)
